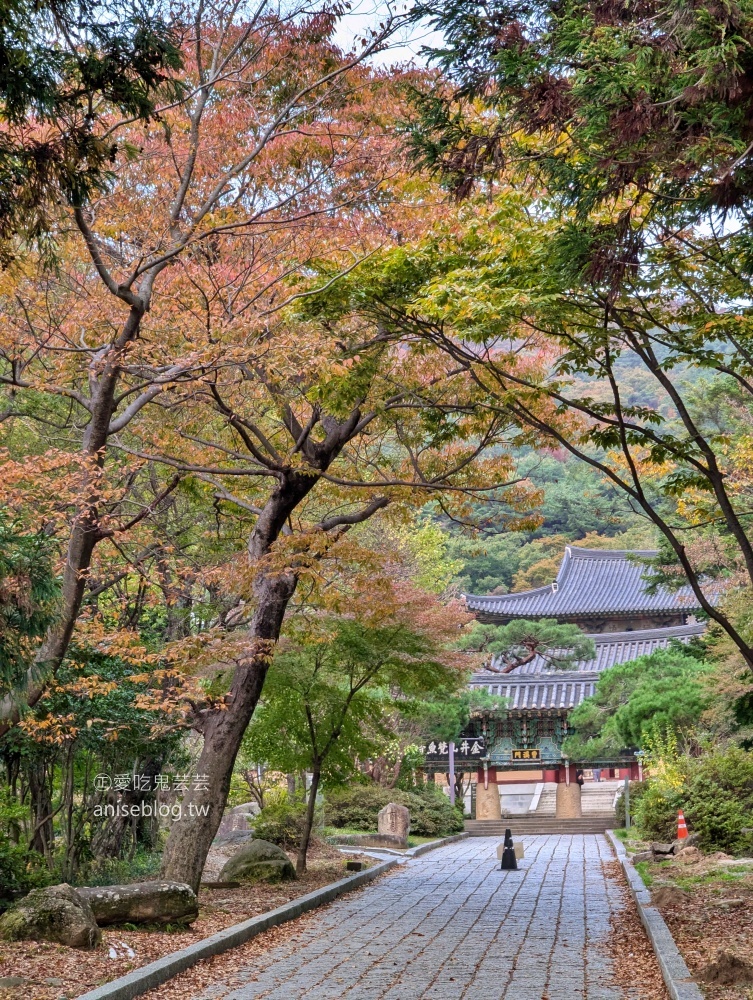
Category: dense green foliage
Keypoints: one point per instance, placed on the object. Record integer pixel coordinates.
(719, 798)
(652, 99)
(91, 723)
(577, 506)
(664, 690)
(715, 794)
(283, 823)
(327, 695)
(28, 590)
(332, 688)
(431, 814)
(20, 869)
(655, 812)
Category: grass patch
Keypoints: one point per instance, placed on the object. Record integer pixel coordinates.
(630, 839)
(708, 878)
(152, 928)
(644, 870)
(337, 831)
(346, 831)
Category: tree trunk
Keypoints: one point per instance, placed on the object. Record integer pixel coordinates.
(119, 836)
(300, 863)
(85, 529)
(42, 839)
(191, 836)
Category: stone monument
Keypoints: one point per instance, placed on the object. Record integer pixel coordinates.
(394, 822)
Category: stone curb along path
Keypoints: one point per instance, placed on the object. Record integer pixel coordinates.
(675, 972)
(156, 973)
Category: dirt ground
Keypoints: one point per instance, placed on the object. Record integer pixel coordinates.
(53, 972)
(707, 903)
(635, 965)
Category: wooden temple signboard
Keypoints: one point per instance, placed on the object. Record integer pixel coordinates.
(467, 750)
(532, 754)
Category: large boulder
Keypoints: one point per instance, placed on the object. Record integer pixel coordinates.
(258, 861)
(394, 821)
(57, 913)
(142, 903)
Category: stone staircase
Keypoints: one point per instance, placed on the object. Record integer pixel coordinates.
(547, 802)
(597, 808)
(538, 825)
(598, 797)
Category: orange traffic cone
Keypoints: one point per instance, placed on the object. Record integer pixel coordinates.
(682, 827)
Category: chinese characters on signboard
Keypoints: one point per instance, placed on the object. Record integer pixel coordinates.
(468, 749)
(526, 755)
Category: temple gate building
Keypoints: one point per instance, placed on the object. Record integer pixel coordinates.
(604, 592)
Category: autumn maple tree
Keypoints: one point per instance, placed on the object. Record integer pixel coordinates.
(510, 297)
(310, 443)
(123, 319)
(198, 444)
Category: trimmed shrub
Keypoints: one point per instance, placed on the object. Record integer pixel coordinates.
(282, 823)
(356, 807)
(431, 814)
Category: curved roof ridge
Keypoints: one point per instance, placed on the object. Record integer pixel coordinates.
(581, 553)
(519, 595)
(662, 632)
(591, 583)
(611, 648)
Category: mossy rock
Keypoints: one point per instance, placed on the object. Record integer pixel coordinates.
(142, 903)
(258, 861)
(56, 913)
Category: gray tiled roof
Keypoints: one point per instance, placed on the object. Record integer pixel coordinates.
(593, 582)
(545, 691)
(614, 647)
(538, 685)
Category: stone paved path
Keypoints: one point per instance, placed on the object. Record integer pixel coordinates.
(451, 926)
